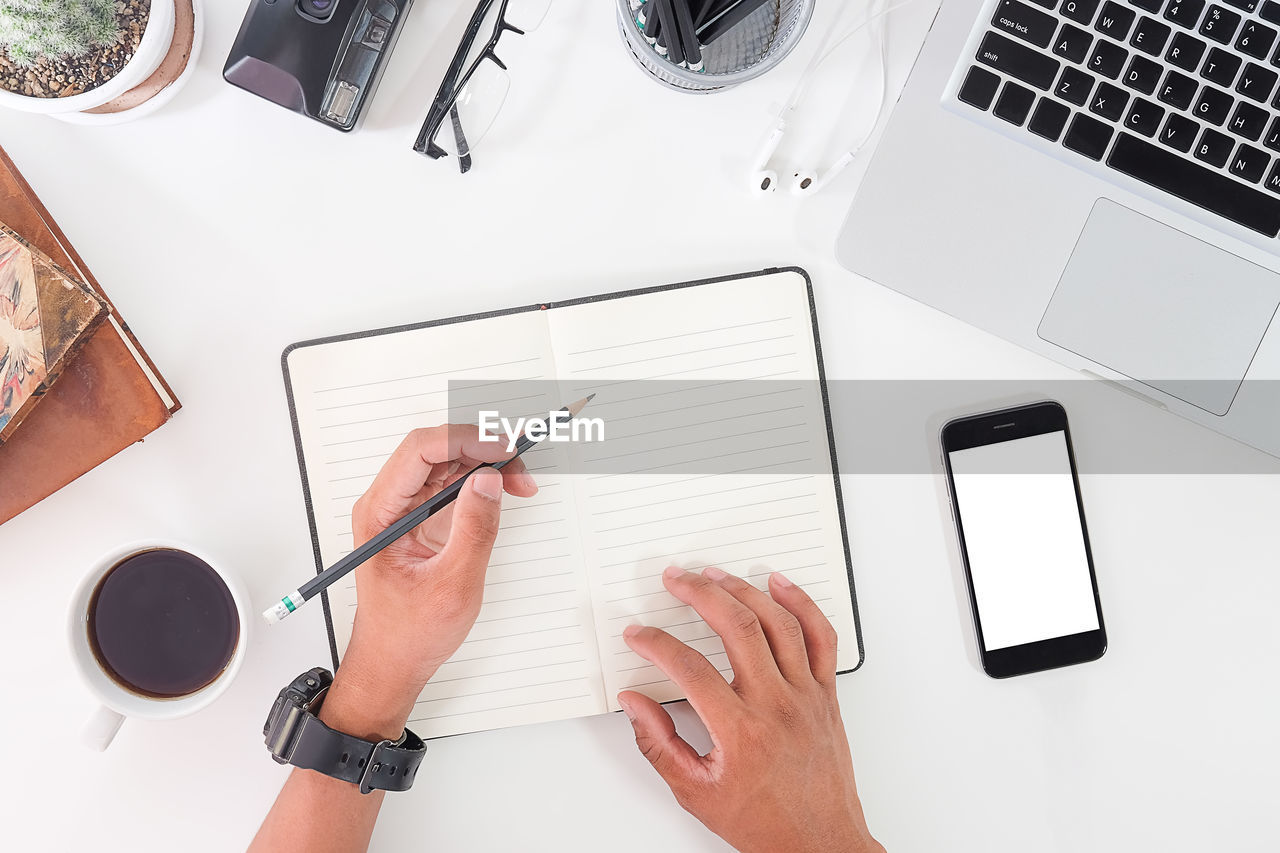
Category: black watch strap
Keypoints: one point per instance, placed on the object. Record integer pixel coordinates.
(296, 736)
(383, 766)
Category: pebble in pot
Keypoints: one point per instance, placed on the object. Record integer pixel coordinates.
(65, 56)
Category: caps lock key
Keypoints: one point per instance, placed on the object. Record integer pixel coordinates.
(1026, 23)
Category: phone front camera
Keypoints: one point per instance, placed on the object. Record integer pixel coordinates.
(319, 11)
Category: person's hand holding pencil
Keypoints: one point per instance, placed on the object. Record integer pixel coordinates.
(420, 595)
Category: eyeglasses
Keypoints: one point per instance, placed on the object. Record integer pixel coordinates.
(475, 86)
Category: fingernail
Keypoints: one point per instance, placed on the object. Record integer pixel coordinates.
(714, 574)
(626, 708)
(487, 483)
(630, 631)
(672, 572)
(781, 580)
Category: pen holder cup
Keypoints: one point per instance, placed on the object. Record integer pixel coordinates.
(750, 49)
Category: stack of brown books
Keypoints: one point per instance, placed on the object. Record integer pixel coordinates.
(103, 396)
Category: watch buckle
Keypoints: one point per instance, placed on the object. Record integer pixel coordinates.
(373, 765)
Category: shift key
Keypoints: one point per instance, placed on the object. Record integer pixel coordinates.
(1025, 22)
(1018, 60)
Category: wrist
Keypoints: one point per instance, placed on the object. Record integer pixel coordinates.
(366, 703)
(854, 839)
(824, 837)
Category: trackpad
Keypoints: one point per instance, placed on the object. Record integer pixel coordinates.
(1161, 307)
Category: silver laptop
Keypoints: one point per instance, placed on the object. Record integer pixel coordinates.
(1098, 181)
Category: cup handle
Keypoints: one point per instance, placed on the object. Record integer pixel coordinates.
(101, 728)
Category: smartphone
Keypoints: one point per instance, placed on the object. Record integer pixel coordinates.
(320, 58)
(1015, 497)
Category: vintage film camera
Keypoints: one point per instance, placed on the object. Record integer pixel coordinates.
(320, 58)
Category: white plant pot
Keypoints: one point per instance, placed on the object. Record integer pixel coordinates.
(151, 50)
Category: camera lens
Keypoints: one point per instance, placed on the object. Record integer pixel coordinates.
(318, 10)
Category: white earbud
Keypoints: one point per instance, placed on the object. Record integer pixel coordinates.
(809, 183)
(804, 182)
(766, 182)
(763, 179)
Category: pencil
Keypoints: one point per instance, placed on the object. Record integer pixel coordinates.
(312, 588)
(652, 23)
(670, 31)
(688, 34)
(712, 9)
(731, 17)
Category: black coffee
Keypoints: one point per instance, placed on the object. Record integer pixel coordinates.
(162, 623)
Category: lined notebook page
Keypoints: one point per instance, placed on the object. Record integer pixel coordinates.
(657, 504)
(720, 458)
(532, 654)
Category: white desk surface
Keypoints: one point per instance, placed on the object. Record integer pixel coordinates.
(226, 228)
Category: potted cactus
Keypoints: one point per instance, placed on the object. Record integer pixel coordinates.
(66, 56)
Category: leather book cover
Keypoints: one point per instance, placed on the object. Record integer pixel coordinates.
(45, 316)
(109, 395)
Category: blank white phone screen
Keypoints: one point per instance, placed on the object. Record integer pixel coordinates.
(1017, 507)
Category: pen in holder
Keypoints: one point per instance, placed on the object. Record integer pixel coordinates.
(744, 42)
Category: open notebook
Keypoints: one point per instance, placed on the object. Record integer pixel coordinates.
(581, 560)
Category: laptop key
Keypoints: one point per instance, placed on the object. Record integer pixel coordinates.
(1179, 132)
(1270, 11)
(1272, 139)
(1107, 59)
(1248, 121)
(1184, 13)
(1214, 148)
(1248, 163)
(1256, 82)
(1186, 51)
(1087, 136)
(1178, 90)
(1114, 20)
(1072, 43)
(1014, 103)
(1109, 101)
(1144, 117)
(1152, 6)
(1220, 24)
(1212, 106)
(1255, 40)
(1195, 184)
(1220, 67)
(1149, 36)
(1080, 11)
(1142, 74)
(1017, 60)
(1245, 5)
(979, 87)
(1273, 180)
(1024, 22)
(1048, 119)
(1074, 86)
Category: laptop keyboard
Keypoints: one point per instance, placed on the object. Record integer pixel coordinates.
(1179, 94)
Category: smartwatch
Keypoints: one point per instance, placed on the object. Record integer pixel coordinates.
(296, 736)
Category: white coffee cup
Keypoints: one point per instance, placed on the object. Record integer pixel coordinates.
(117, 700)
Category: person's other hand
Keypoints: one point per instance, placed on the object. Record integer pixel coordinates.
(419, 597)
(779, 775)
